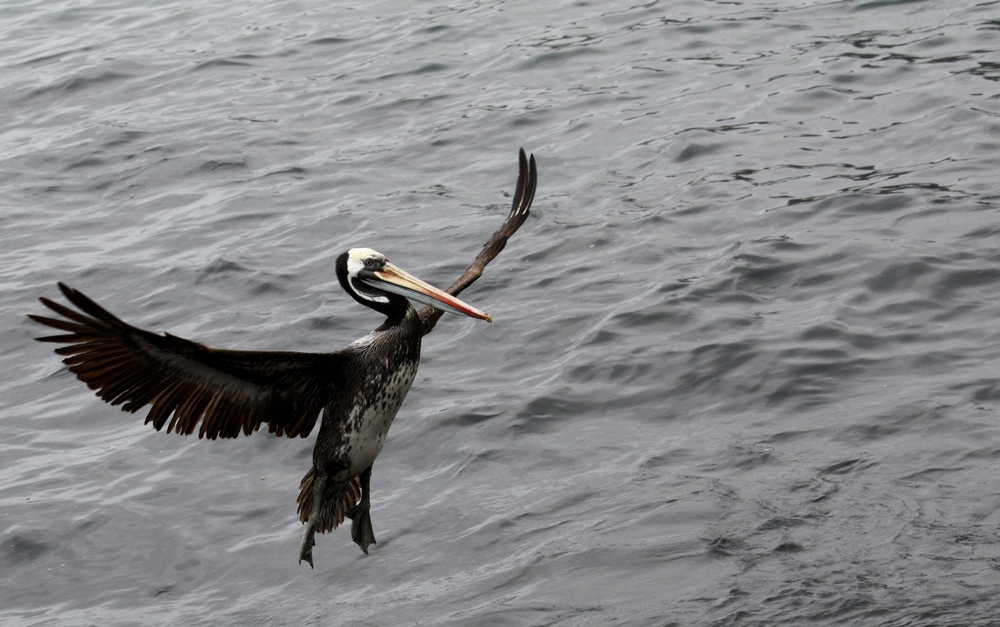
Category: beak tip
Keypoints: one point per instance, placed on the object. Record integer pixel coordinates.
(488, 318)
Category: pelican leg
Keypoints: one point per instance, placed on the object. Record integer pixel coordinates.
(361, 521)
(309, 537)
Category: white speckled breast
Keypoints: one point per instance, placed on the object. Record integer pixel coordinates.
(366, 433)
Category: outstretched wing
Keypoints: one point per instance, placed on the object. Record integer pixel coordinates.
(228, 392)
(527, 179)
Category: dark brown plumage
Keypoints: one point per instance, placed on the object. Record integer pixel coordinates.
(228, 392)
(223, 393)
(524, 195)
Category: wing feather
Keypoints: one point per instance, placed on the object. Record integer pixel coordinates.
(527, 180)
(187, 385)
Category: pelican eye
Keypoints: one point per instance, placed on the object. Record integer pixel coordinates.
(369, 263)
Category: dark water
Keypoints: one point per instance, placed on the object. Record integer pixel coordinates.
(745, 368)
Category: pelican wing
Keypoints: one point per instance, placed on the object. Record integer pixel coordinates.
(227, 392)
(527, 179)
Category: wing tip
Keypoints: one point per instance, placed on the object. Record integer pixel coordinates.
(66, 290)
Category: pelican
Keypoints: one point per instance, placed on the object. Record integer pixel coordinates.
(223, 393)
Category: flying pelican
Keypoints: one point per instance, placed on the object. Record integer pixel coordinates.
(358, 389)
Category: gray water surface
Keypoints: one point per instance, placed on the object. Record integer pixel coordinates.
(745, 364)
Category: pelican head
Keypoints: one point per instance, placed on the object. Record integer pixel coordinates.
(369, 277)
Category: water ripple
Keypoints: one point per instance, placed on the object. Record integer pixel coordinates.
(744, 364)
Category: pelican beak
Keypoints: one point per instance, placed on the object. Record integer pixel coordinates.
(397, 281)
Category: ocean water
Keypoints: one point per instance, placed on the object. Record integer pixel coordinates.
(745, 364)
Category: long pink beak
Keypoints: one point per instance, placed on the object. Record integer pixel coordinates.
(398, 281)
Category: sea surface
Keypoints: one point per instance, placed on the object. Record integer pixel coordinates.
(745, 361)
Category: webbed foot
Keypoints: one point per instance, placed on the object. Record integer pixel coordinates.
(361, 528)
(308, 542)
(309, 536)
